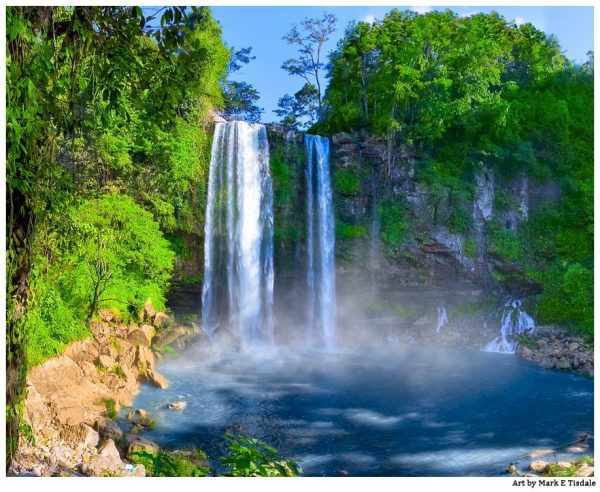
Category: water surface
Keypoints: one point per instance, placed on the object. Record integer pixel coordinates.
(378, 411)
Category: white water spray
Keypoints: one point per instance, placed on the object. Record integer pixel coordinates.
(320, 242)
(515, 321)
(442, 318)
(237, 293)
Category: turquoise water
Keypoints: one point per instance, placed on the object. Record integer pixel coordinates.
(377, 411)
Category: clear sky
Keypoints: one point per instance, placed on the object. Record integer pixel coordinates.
(263, 27)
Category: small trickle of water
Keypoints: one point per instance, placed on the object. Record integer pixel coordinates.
(442, 318)
(514, 321)
(237, 293)
(320, 242)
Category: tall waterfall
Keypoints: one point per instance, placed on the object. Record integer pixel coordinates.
(320, 242)
(515, 321)
(237, 293)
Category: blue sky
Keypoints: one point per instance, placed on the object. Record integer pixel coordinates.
(263, 27)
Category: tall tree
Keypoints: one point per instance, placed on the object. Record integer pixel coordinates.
(71, 70)
(309, 40)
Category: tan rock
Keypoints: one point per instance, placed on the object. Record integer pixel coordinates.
(585, 471)
(106, 361)
(578, 448)
(149, 332)
(155, 378)
(539, 466)
(137, 336)
(564, 464)
(106, 463)
(161, 319)
(149, 312)
(80, 435)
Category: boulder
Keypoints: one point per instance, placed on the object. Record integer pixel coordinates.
(177, 405)
(139, 336)
(585, 471)
(564, 464)
(157, 379)
(161, 319)
(109, 429)
(578, 448)
(80, 435)
(140, 417)
(106, 463)
(149, 312)
(539, 466)
(106, 361)
(138, 444)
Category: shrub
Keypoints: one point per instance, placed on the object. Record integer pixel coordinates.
(347, 182)
(459, 221)
(393, 217)
(249, 457)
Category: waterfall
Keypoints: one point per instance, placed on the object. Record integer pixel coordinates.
(442, 318)
(320, 239)
(237, 293)
(514, 322)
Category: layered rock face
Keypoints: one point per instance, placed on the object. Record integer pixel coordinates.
(72, 398)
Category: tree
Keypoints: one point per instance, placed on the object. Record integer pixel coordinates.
(78, 77)
(315, 32)
(239, 98)
(300, 110)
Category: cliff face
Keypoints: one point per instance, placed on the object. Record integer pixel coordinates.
(404, 238)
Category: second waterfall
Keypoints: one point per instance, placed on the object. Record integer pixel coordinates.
(237, 294)
(320, 243)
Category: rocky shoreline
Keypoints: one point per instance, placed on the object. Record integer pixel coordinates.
(73, 398)
(554, 347)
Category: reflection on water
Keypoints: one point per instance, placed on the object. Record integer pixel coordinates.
(400, 411)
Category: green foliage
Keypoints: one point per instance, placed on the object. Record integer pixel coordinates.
(459, 221)
(554, 470)
(249, 457)
(110, 406)
(350, 231)
(568, 297)
(503, 242)
(172, 464)
(347, 182)
(117, 370)
(394, 222)
(527, 341)
(470, 248)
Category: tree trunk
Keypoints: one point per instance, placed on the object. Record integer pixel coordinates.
(18, 233)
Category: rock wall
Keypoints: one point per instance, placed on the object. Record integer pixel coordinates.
(71, 398)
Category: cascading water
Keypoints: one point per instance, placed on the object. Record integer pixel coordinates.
(237, 293)
(442, 318)
(514, 321)
(320, 242)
